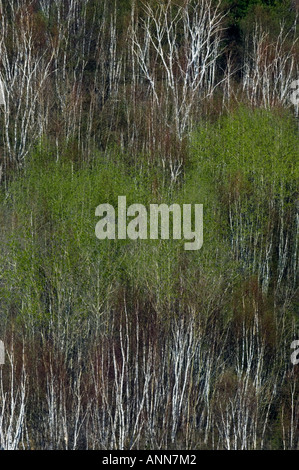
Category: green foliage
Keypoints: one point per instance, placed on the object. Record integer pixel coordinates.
(247, 167)
(52, 246)
(258, 143)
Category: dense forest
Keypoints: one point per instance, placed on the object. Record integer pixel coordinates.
(139, 344)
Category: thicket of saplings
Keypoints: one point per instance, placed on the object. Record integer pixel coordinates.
(123, 344)
(140, 344)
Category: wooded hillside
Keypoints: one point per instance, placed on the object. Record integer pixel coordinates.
(139, 344)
